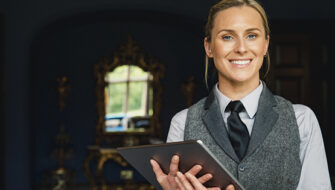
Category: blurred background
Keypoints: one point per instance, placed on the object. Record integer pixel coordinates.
(43, 41)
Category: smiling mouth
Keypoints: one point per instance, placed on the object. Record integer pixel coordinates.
(241, 62)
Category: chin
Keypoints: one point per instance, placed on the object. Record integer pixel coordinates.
(244, 79)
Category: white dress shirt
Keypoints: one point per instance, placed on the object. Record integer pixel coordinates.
(314, 172)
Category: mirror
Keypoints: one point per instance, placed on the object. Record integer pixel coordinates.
(128, 92)
(128, 99)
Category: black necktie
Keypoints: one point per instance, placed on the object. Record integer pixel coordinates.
(238, 132)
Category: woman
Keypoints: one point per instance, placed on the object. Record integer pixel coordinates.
(263, 140)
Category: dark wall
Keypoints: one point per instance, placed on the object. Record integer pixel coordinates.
(2, 100)
(72, 45)
(320, 87)
(47, 39)
(24, 21)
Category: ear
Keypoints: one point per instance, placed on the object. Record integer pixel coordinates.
(207, 47)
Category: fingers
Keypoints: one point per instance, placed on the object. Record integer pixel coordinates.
(180, 185)
(195, 182)
(174, 165)
(157, 170)
(182, 182)
(190, 182)
(155, 166)
(203, 179)
(195, 169)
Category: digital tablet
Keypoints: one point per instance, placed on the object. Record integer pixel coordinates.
(190, 152)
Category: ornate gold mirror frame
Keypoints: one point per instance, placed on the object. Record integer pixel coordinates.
(129, 53)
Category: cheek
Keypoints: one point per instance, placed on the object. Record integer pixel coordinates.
(258, 49)
(222, 49)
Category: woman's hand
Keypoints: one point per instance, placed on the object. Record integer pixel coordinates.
(168, 181)
(188, 181)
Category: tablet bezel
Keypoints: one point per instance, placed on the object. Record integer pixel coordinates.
(191, 152)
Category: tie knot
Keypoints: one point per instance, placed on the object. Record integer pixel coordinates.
(235, 106)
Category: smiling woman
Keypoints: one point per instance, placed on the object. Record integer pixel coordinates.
(258, 136)
(237, 45)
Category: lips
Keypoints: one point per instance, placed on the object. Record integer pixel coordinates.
(240, 61)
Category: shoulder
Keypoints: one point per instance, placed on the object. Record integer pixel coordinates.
(305, 117)
(179, 119)
(282, 100)
(199, 103)
(306, 120)
(302, 109)
(177, 126)
(198, 107)
(303, 112)
(180, 116)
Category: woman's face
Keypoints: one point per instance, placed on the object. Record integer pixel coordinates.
(238, 45)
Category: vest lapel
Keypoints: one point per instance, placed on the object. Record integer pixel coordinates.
(215, 125)
(265, 119)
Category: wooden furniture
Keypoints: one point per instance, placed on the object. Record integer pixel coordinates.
(99, 156)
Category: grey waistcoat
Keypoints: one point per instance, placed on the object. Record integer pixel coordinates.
(272, 159)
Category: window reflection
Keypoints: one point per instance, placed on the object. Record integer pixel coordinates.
(128, 99)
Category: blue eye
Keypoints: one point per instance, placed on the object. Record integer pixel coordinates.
(252, 36)
(227, 37)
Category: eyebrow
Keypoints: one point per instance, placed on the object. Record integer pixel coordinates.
(232, 31)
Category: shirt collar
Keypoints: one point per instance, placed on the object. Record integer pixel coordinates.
(250, 101)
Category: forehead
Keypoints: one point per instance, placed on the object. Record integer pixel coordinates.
(243, 16)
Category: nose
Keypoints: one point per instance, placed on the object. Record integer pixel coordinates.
(241, 46)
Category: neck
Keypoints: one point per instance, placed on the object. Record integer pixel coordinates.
(237, 90)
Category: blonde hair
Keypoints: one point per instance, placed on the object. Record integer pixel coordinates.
(225, 4)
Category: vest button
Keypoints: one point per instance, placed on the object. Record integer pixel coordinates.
(242, 168)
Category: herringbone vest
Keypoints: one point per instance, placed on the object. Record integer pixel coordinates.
(272, 159)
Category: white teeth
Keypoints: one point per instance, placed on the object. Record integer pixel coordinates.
(240, 62)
